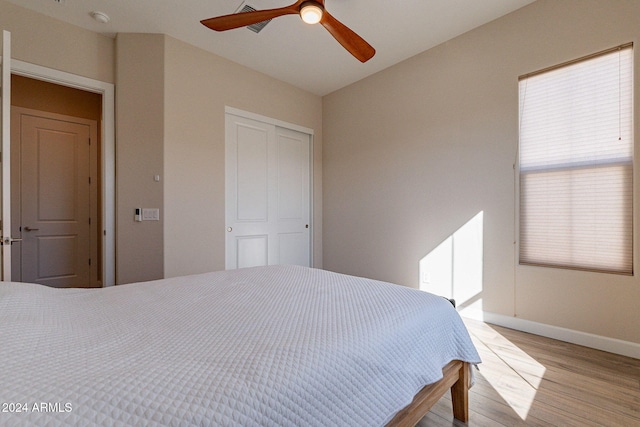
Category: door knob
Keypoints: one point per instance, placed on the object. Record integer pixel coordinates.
(9, 241)
(27, 228)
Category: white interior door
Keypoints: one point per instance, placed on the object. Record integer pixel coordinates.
(267, 171)
(5, 156)
(52, 183)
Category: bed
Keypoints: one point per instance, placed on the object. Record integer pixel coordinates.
(277, 345)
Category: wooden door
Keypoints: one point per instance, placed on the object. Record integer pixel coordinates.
(267, 194)
(52, 187)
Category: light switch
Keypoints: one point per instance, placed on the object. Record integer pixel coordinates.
(150, 214)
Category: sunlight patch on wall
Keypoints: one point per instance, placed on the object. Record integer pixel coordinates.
(454, 268)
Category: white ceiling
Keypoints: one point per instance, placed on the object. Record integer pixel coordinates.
(303, 55)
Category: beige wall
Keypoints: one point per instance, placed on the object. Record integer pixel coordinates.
(45, 41)
(198, 86)
(415, 151)
(139, 155)
(44, 96)
(170, 104)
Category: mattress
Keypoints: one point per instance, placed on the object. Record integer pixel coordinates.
(265, 346)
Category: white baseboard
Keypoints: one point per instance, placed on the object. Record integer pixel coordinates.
(611, 345)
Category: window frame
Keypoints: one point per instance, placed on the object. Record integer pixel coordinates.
(518, 190)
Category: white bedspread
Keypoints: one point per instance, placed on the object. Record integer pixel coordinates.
(276, 345)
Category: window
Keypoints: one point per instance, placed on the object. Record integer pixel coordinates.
(576, 164)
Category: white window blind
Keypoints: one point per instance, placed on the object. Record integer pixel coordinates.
(576, 164)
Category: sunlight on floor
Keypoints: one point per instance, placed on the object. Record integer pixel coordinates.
(514, 374)
(454, 269)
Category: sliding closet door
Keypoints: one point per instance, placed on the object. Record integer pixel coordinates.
(267, 194)
(5, 156)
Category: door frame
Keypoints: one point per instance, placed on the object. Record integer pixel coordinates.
(5, 156)
(298, 128)
(107, 189)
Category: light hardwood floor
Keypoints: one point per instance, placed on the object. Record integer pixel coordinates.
(528, 380)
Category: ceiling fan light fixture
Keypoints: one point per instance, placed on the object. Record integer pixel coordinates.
(311, 12)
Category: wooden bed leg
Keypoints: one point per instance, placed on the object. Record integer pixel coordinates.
(460, 395)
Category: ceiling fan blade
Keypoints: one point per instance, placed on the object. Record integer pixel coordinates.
(237, 20)
(355, 44)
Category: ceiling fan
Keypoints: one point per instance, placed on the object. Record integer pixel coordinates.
(311, 12)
